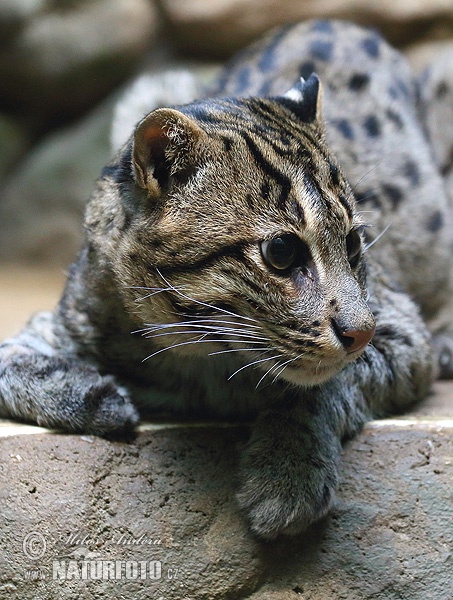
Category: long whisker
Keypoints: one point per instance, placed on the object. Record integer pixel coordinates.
(366, 175)
(285, 365)
(253, 363)
(205, 304)
(195, 325)
(212, 320)
(377, 238)
(241, 350)
(201, 324)
(200, 340)
(250, 339)
(267, 373)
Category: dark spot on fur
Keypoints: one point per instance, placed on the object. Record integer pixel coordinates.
(395, 118)
(404, 88)
(298, 211)
(316, 323)
(345, 202)
(371, 46)
(445, 363)
(334, 173)
(412, 172)
(227, 143)
(322, 50)
(393, 92)
(265, 189)
(322, 26)
(153, 243)
(435, 222)
(267, 58)
(109, 171)
(306, 69)
(243, 79)
(441, 90)
(344, 127)
(249, 200)
(265, 88)
(393, 193)
(369, 196)
(358, 82)
(386, 331)
(372, 126)
(447, 166)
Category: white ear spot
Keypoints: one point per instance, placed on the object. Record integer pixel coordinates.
(295, 93)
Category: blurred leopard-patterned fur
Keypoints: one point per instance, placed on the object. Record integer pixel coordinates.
(229, 271)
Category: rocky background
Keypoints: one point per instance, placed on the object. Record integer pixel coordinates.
(64, 63)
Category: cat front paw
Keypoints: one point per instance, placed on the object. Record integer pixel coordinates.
(111, 410)
(85, 403)
(283, 501)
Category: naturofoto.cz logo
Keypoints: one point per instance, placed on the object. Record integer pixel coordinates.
(78, 562)
(106, 569)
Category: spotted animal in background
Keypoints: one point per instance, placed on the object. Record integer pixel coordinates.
(278, 251)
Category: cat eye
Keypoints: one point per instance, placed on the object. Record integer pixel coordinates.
(282, 253)
(353, 247)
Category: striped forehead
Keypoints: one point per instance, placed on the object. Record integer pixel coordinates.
(297, 172)
(319, 204)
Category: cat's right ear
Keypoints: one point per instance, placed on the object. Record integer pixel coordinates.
(304, 99)
(163, 149)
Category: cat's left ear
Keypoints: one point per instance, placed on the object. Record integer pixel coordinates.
(164, 149)
(304, 99)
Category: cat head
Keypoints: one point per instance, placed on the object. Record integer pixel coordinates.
(242, 237)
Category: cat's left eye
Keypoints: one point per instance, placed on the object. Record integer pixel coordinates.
(353, 247)
(281, 252)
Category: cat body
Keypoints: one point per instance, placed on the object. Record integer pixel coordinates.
(225, 273)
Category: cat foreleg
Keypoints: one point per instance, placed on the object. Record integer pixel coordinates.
(44, 383)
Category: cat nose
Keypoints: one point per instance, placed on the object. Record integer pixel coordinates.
(353, 340)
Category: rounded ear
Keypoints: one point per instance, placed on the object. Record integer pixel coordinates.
(163, 148)
(304, 99)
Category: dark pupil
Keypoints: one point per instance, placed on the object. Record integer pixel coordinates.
(281, 252)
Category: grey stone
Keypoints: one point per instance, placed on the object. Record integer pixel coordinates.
(13, 143)
(168, 496)
(58, 58)
(42, 205)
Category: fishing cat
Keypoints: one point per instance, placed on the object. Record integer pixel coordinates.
(229, 271)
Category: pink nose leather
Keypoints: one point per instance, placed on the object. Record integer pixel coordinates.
(355, 340)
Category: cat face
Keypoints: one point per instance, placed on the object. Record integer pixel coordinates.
(244, 238)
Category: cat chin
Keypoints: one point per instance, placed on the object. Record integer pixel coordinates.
(309, 377)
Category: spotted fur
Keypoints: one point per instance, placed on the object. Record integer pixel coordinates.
(240, 252)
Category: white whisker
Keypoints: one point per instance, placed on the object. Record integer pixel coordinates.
(247, 338)
(267, 373)
(241, 350)
(200, 340)
(195, 325)
(377, 238)
(254, 363)
(205, 304)
(286, 364)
